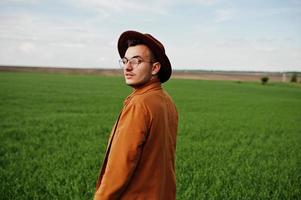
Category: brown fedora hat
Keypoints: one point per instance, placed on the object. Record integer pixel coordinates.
(155, 45)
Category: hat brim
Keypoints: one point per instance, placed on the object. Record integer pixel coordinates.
(158, 51)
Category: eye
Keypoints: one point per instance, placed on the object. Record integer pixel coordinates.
(124, 61)
(136, 61)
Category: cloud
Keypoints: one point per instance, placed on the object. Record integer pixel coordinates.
(205, 2)
(19, 2)
(223, 15)
(36, 39)
(108, 8)
(27, 47)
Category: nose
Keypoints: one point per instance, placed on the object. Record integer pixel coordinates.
(128, 66)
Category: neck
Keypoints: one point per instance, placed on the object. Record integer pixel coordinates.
(154, 79)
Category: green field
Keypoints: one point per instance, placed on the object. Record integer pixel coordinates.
(235, 140)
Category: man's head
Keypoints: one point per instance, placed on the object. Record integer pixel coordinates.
(143, 58)
(139, 64)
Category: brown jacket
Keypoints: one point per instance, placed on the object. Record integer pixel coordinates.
(140, 158)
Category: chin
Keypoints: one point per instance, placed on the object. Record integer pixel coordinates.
(129, 82)
(134, 83)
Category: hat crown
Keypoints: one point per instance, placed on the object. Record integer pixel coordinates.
(155, 40)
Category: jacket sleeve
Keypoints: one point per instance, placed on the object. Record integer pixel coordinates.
(125, 152)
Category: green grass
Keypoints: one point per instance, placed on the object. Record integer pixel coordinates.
(235, 141)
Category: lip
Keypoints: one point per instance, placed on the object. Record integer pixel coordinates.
(128, 75)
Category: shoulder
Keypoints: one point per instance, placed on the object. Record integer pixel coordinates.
(148, 98)
(155, 101)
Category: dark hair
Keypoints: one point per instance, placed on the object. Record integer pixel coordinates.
(134, 42)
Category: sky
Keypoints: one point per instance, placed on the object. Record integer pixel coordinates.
(257, 35)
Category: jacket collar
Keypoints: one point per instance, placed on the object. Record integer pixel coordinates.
(154, 84)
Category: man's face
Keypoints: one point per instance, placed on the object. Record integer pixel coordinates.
(138, 74)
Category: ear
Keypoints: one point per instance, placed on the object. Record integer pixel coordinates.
(156, 68)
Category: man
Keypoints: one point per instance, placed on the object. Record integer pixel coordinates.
(140, 158)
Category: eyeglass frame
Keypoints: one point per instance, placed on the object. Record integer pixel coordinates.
(139, 59)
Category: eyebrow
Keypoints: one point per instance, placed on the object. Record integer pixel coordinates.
(135, 57)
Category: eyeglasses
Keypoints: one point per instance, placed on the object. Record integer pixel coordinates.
(134, 62)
